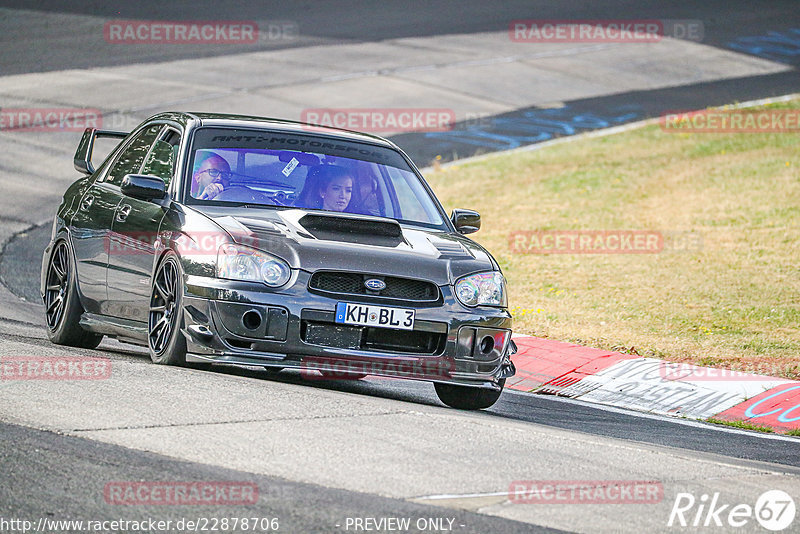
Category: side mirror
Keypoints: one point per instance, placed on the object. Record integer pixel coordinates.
(143, 187)
(466, 221)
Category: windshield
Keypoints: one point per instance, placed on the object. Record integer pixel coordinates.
(260, 168)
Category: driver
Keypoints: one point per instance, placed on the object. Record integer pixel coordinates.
(211, 178)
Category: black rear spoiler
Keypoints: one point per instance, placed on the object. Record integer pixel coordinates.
(83, 156)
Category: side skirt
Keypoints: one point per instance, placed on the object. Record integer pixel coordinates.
(124, 330)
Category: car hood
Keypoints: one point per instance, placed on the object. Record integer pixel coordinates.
(312, 240)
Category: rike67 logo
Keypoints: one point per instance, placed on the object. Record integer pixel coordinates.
(774, 510)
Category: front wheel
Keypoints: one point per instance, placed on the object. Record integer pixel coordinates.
(164, 337)
(61, 302)
(466, 397)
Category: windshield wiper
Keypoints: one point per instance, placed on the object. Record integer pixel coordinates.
(257, 206)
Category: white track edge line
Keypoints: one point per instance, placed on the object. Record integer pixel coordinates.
(647, 415)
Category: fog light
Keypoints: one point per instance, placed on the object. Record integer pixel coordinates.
(487, 345)
(251, 319)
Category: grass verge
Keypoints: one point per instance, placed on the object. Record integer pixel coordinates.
(731, 301)
(741, 424)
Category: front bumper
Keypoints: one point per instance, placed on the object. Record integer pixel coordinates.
(245, 323)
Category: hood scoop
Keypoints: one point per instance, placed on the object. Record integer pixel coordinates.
(259, 224)
(364, 230)
(244, 229)
(450, 249)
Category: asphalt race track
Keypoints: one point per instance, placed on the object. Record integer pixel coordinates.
(323, 453)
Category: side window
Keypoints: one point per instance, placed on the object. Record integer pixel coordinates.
(161, 159)
(130, 160)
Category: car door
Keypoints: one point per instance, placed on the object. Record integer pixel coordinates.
(91, 224)
(134, 233)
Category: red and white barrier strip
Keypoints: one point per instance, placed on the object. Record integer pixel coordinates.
(652, 385)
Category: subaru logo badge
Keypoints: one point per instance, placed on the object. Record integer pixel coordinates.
(373, 284)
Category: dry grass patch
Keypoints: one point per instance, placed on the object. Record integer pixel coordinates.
(733, 303)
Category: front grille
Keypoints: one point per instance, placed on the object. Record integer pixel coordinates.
(353, 284)
(372, 338)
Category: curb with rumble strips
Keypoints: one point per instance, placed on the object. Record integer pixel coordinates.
(648, 384)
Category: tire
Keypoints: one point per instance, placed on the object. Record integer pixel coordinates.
(165, 342)
(62, 304)
(466, 397)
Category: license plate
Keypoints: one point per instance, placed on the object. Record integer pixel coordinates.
(380, 316)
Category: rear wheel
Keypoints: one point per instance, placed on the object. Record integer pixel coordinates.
(164, 338)
(61, 302)
(468, 398)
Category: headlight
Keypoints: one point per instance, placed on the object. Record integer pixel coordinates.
(482, 289)
(236, 262)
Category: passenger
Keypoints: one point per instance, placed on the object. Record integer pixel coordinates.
(211, 178)
(336, 189)
(328, 187)
(368, 193)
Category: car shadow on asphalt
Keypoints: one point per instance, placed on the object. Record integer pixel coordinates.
(414, 391)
